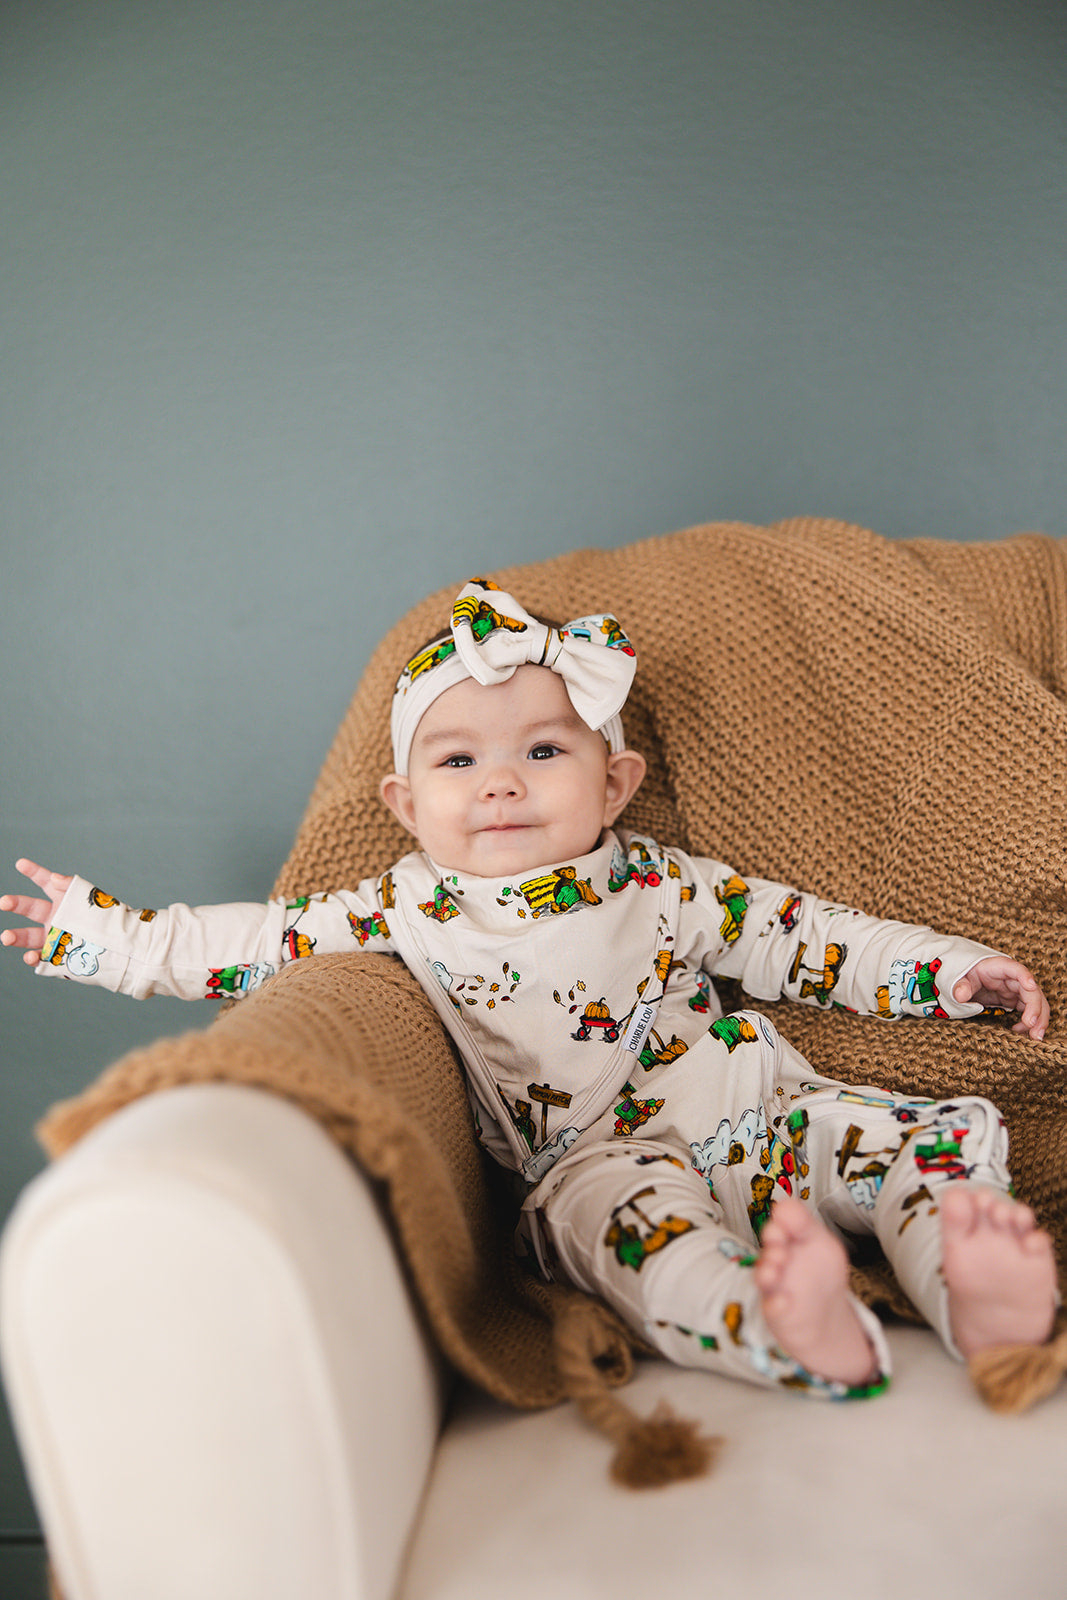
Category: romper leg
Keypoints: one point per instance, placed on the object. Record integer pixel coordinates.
(886, 1159)
(638, 1226)
(965, 1142)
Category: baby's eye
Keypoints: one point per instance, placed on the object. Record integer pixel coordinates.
(458, 760)
(543, 752)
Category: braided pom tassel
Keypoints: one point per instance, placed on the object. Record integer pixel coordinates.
(1010, 1378)
(593, 1357)
(663, 1448)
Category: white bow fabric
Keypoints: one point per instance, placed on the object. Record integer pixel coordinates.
(492, 635)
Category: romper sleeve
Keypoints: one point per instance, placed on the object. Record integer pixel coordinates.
(781, 943)
(205, 952)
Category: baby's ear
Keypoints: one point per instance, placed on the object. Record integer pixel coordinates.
(626, 771)
(395, 790)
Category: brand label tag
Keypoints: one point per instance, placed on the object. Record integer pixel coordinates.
(640, 1023)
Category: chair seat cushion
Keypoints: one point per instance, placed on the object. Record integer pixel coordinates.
(920, 1492)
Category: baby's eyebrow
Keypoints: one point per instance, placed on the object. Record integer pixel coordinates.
(446, 736)
(565, 721)
(529, 730)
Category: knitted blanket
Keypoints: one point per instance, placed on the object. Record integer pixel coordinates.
(884, 722)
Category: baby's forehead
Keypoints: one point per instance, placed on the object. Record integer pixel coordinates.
(531, 694)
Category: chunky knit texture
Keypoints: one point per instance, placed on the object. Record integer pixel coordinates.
(884, 722)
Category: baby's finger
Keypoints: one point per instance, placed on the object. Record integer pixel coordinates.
(1035, 1017)
(23, 905)
(30, 869)
(1033, 1011)
(23, 938)
(54, 884)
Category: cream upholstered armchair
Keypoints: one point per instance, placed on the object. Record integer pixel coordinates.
(223, 1345)
(223, 1388)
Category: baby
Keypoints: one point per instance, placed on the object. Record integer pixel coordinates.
(690, 1168)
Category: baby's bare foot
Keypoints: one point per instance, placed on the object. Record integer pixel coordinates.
(1000, 1270)
(802, 1277)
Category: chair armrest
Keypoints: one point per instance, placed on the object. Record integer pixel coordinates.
(218, 1378)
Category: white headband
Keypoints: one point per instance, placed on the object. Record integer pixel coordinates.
(491, 636)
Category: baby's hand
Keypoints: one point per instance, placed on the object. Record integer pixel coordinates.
(999, 981)
(41, 912)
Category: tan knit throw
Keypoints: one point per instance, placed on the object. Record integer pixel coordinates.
(881, 721)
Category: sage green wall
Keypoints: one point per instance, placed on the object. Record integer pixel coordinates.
(310, 306)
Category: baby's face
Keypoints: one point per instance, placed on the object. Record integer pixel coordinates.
(505, 777)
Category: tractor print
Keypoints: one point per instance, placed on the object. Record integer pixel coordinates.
(231, 982)
(912, 983)
(906, 1113)
(615, 639)
(942, 1155)
(638, 866)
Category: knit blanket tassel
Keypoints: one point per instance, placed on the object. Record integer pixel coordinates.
(593, 1358)
(1012, 1378)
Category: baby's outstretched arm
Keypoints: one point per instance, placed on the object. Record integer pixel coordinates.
(193, 952)
(1000, 981)
(40, 912)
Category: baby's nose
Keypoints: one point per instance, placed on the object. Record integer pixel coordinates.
(501, 781)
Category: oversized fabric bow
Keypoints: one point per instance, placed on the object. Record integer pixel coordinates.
(491, 635)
